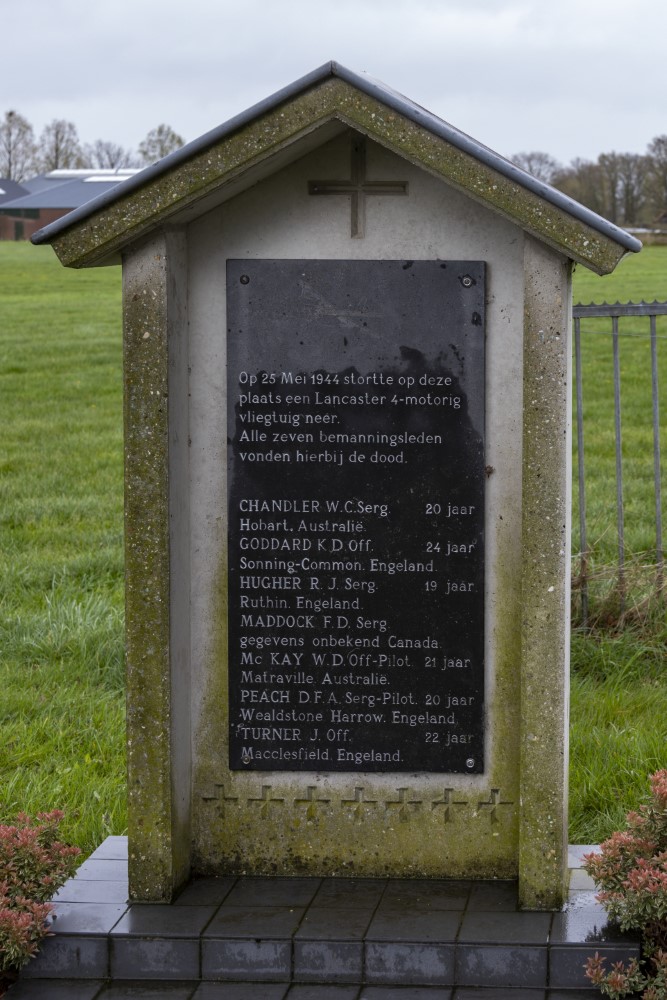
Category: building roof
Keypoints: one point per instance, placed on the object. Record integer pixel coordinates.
(64, 189)
(10, 190)
(264, 138)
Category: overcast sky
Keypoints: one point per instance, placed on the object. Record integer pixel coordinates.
(574, 78)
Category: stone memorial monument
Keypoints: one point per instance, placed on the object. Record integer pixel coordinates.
(347, 401)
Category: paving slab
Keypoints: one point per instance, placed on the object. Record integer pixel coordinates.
(234, 938)
(406, 993)
(240, 991)
(64, 989)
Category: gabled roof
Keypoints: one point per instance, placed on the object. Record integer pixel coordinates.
(68, 189)
(269, 135)
(10, 190)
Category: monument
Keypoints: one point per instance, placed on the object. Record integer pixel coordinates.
(347, 401)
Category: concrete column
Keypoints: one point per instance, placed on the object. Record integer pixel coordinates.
(156, 564)
(545, 578)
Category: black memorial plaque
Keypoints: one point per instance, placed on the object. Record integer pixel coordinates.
(356, 515)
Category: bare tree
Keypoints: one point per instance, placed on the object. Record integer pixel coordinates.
(59, 146)
(610, 172)
(584, 182)
(657, 169)
(17, 147)
(541, 165)
(633, 173)
(107, 155)
(159, 142)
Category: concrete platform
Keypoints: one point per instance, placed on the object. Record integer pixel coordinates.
(237, 938)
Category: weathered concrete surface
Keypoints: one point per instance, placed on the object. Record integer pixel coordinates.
(545, 598)
(178, 191)
(246, 195)
(368, 824)
(156, 559)
(359, 823)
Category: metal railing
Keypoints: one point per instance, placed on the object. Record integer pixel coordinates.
(649, 310)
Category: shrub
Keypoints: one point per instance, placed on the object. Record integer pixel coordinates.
(631, 872)
(33, 865)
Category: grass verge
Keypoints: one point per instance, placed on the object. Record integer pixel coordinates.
(618, 726)
(638, 277)
(61, 562)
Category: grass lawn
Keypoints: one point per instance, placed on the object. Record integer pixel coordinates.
(619, 685)
(639, 276)
(61, 585)
(61, 561)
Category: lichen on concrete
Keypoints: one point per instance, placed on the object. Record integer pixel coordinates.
(545, 591)
(147, 576)
(508, 822)
(160, 200)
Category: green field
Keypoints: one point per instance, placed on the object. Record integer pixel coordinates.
(61, 586)
(640, 276)
(61, 560)
(619, 687)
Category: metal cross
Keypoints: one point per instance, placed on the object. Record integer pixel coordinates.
(358, 186)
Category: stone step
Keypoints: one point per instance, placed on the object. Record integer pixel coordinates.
(86, 989)
(300, 937)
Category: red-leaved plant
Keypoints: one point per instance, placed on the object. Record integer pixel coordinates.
(631, 872)
(33, 866)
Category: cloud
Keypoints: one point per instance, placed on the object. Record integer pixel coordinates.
(574, 78)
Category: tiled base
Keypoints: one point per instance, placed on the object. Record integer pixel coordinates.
(325, 939)
(70, 989)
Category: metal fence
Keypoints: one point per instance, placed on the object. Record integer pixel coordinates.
(646, 328)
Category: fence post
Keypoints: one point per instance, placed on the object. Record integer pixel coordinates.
(613, 312)
(619, 466)
(583, 541)
(659, 574)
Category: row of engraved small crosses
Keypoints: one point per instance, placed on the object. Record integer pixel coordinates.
(403, 804)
